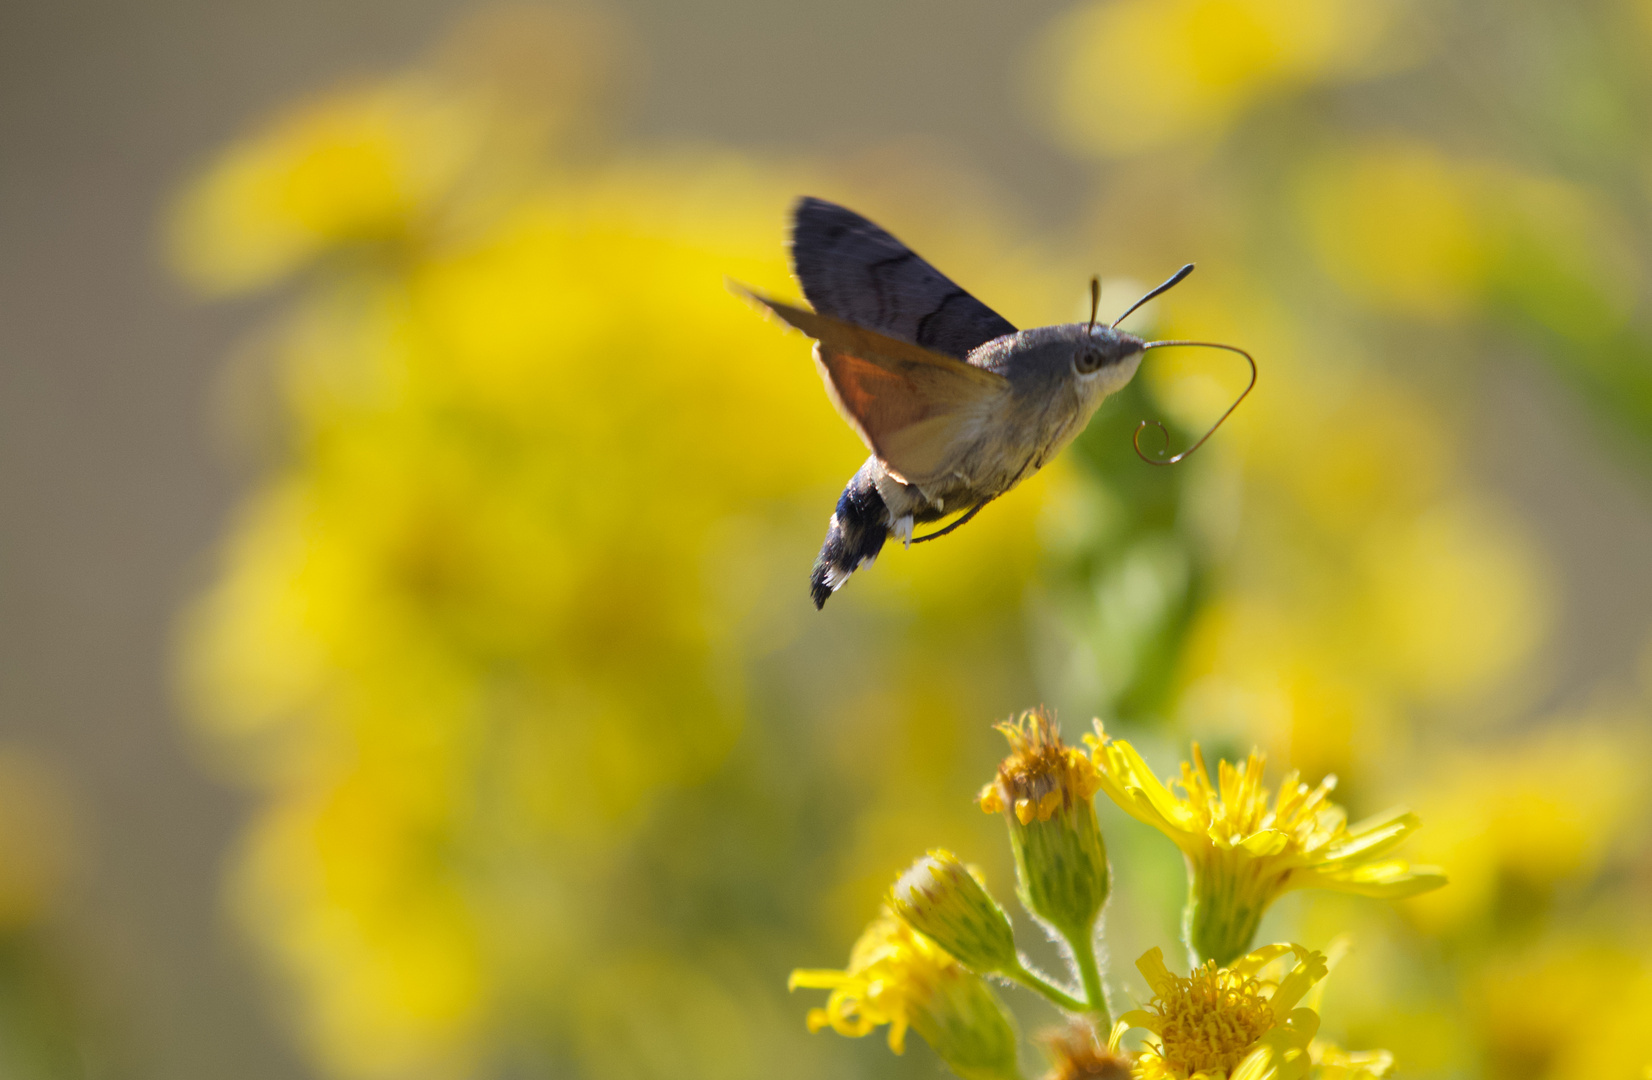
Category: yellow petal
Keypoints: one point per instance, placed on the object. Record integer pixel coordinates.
(1281, 1054)
(897, 1035)
(1389, 880)
(1259, 958)
(1268, 842)
(1308, 971)
(1119, 1029)
(1151, 965)
(816, 979)
(1170, 809)
(1137, 1018)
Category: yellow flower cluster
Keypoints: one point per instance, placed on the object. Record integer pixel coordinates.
(547, 494)
(460, 618)
(367, 167)
(1237, 1016)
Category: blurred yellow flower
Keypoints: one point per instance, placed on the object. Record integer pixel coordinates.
(498, 599)
(471, 579)
(1526, 1005)
(1400, 225)
(1334, 1063)
(37, 839)
(1365, 585)
(1123, 76)
(898, 977)
(366, 166)
(1406, 227)
(1076, 1054)
(1246, 847)
(1517, 820)
(1227, 1023)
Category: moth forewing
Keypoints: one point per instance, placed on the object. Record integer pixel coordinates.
(852, 269)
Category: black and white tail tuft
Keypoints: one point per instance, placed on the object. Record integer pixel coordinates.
(856, 534)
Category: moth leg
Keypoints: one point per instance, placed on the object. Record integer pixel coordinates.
(902, 530)
(936, 535)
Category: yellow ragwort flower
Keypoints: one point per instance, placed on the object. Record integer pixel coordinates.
(1042, 775)
(1245, 847)
(1227, 1023)
(898, 977)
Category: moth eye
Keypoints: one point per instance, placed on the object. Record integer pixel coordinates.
(1087, 360)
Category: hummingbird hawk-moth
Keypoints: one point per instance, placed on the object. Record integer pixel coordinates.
(956, 405)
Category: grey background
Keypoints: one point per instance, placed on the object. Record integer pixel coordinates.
(112, 491)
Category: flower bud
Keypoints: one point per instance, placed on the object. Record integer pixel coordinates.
(968, 1027)
(940, 898)
(1044, 790)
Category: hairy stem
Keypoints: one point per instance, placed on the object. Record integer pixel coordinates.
(1035, 982)
(1089, 971)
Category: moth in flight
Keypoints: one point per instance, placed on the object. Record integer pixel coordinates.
(956, 405)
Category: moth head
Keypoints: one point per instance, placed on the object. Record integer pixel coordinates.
(1070, 359)
(1102, 360)
(1102, 348)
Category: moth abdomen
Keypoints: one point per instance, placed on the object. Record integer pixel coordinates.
(858, 528)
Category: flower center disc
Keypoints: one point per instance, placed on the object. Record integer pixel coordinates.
(1211, 1020)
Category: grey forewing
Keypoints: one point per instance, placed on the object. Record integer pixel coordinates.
(853, 270)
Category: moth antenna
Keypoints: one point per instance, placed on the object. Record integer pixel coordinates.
(1095, 301)
(1175, 279)
(1135, 440)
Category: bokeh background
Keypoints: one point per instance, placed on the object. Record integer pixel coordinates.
(408, 669)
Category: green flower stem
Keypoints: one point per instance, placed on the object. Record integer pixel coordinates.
(1025, 976)
(1224, 909)
(1084, 953)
